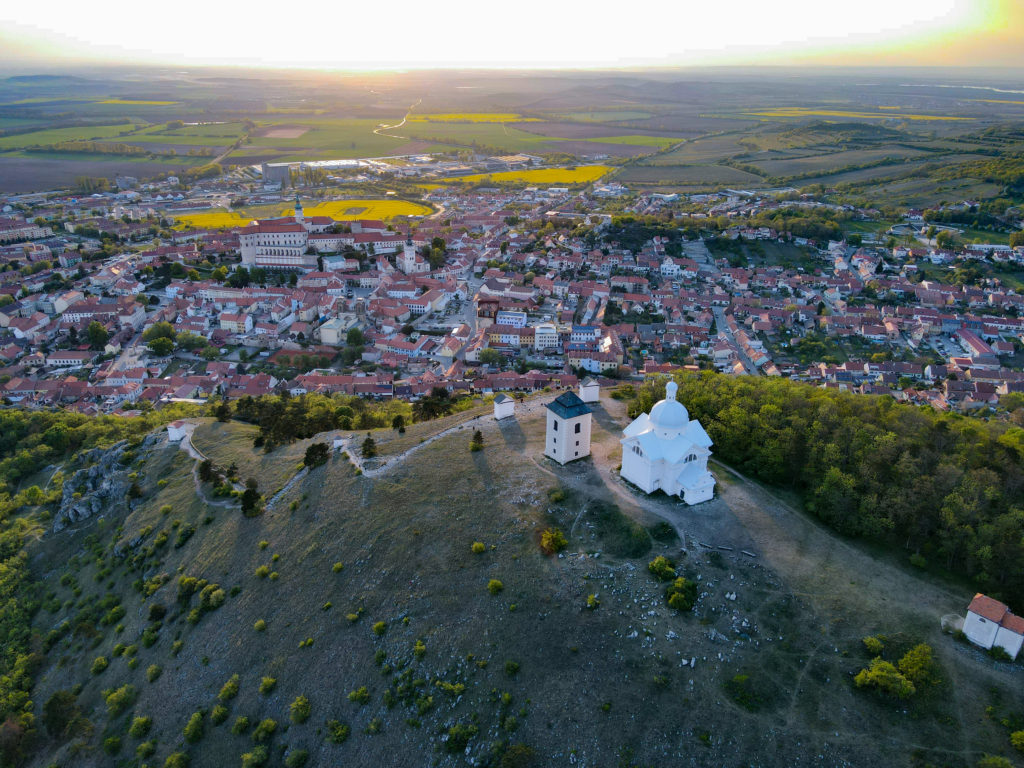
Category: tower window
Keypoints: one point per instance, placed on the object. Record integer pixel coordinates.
(578, 427)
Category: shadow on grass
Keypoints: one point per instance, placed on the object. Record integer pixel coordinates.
(513, 434)
(605, 420)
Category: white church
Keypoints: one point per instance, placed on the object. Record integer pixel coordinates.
(666, 450)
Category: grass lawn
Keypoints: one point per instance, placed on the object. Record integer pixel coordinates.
(232, 442)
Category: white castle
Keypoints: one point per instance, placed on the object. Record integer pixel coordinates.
(667, 450)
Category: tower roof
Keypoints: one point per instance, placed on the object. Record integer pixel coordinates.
(568, 406)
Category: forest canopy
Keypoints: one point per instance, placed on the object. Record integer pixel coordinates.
(942, 487)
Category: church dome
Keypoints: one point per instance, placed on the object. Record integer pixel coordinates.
(669, 414)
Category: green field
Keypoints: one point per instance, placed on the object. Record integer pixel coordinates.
(609, 116)
(56, 135)
(658, 142)
(706, 175)
(825, 162)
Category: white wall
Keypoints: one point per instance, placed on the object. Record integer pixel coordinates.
(561, 445)
(980, 631)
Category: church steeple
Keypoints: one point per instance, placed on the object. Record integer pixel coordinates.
(298, 210)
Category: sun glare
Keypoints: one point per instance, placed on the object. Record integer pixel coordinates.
(532, 33)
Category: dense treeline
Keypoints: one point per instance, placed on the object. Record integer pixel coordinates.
(943, 487)
(30, 443)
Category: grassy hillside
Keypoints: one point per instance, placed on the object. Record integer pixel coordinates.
(349, 582)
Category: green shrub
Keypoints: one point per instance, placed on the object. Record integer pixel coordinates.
(262, 572)
(458, 738)
(380, 628)
(240, 726)
(662, 568)
(993, 761)
(419, 649)
(140, 727)
(296, 758)
(264, 730)
(145, 749)
(99, 664)
(494, 586)
(1017, 740)
(218, 714)
(112, 745)
(360, 695)
(300, 710)
(338, 567)
(267, 685)
(917, 665)
(552, 541)
(193, 730)
(337, 732)
(884, 677)
(258, 757)
(999, 653)
(176, 647)
(229, 690)
(119, 699)
(511, 668)
(177, 760)
(918, 561)
(153, 671)
(873, 645)
(478, 548)
(592, 602)
(260, 625)
(556, 495)
(681, 594)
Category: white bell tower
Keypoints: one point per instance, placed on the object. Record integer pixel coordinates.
(299, 218)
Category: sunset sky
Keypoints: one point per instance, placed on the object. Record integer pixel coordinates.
(530, 33)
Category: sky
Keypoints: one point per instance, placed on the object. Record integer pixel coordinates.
(409, 34)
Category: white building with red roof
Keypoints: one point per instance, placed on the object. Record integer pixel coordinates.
(990, 623)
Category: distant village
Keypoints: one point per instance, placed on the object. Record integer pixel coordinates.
(499, 291)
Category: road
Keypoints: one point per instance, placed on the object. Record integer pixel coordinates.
(723, 330)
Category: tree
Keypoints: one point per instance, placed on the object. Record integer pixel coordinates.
(191, 341)
(1016, 239)
(490, 356)
(97, 335)
(317, 455)
(355, 337)
(193, 275)
(209, 353)
(398, 423)
(161, 330)
(477, 443)
(250, 502)
(161, 346)
(885, 677)
(369, 448)
(220, 273)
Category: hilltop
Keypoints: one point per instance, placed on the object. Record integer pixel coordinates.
(363, 591)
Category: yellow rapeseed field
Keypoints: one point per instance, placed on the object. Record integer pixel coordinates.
(473, 117)
(805, 112)
(342, 210)
(582, 174)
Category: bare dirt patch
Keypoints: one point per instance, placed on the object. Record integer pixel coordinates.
(284, 132)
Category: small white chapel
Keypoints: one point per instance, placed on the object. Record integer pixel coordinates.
(666, 450)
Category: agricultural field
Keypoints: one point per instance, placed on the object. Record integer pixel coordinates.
(342, 210)
(27, 172)
(692, 175)
(583, 174)
(797, 166)
(472, 117)
(701, 151)
(806, 112)
(610, 116)
(138, 102)
(56, 135)
(317, 139)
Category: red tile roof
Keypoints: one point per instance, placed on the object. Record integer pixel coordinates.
(987, 608)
